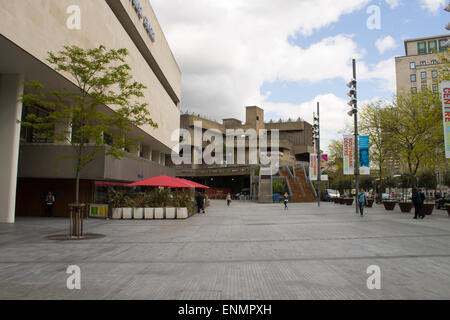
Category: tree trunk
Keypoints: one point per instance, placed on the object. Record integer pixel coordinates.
(77, 188)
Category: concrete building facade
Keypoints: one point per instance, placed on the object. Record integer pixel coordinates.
(29, 29)
(418, 70)
(295, 145)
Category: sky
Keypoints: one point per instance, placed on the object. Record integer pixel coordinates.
(286, 55)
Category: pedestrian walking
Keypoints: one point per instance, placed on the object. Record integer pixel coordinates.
(286, 200)
(362, 199)
(200, 199)
(416, 202)
(422, 200)
(49, 202)
(228, 199)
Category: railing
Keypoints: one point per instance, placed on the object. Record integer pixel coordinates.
(310, 183)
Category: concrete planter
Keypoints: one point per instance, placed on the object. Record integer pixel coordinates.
(447, 206)
(170, 213)
(405, 206)
(117, 213)
(127, 213)
(159, 213)
(389, 205)
(182, 213)
(428, 208)
(348, 201)
(369, 203)
(138, 213)
(149, 213)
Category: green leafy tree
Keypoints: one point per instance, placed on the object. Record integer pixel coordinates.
(427, 179)
(81, 117)
(413, 130)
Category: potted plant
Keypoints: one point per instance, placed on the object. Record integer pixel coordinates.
(427, 179)
(389, 205)
(428, 207)
(447, 206)
(182, 202)
(160, 198)
(370, 201)
(118, 200)
(405, 206)
(139, 204)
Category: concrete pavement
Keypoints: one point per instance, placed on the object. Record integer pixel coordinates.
(247, 251)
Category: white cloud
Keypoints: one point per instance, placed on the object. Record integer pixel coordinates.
(227, 49)
(393, 3)
(333, 114)
(384, 44)
(432, 5)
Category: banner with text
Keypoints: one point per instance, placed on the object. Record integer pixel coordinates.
(364, 161)
(324, 168)
(313, 169)
(445, 90)
(349, 167)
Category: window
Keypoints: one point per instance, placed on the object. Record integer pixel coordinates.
(412, 65)
(414, 90)
(422, 47)
(433, 61)
(423, 75)
(434, 74)
(423, 63)
(413, 78)
(432, 48)
(424, 88)
(435, 88)
(32, 135)
(442, 45)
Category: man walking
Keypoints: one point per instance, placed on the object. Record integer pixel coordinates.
(362, 201)
(200, 202)
(422, 200)
(416, 201)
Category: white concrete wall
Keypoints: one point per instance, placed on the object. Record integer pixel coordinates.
(11, 87)
(40, 26)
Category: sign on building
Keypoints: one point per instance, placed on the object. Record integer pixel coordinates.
(445, 91)
(349, 165)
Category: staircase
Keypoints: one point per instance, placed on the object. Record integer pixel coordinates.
(298, 185)
(265, 186)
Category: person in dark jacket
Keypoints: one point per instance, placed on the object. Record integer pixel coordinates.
(200, 199)
(286, 200)
(422, 200)
(416, 202)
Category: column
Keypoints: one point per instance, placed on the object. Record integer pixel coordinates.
(11, 87)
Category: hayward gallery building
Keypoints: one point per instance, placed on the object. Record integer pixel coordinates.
(29, 29)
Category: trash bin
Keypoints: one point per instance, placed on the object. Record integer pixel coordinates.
(276, 197)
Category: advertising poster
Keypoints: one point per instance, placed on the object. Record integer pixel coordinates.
(349, 166)
(445, 90)
(324, 168)
(364, 162)
(313, 172)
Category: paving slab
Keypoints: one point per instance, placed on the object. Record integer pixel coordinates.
(246, 251)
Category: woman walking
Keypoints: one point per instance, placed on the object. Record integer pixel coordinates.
(228, 199)
(286, 200)
(362, 201)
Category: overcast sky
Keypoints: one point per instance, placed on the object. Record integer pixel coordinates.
(286, 55)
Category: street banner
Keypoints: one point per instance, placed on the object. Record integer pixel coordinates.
(364, 162)
(313, 169)
(324, 168)
(445, 91)
(349, 167)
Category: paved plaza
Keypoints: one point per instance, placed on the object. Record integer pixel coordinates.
(247, 251)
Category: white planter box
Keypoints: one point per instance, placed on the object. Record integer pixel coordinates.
(148, 213)
(182, 213)
(127, 213)
(138, 213)
(117, 213)
(159, 213)
(170, 213)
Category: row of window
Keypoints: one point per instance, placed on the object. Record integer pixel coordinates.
(424, 88)
(432, 46)
(412, 65)
(423, 75)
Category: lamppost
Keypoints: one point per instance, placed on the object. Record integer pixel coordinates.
(316, 142)
(354, 111)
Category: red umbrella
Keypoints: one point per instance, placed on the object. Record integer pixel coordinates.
(193, 184)
(169, 182)
(161, 181)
